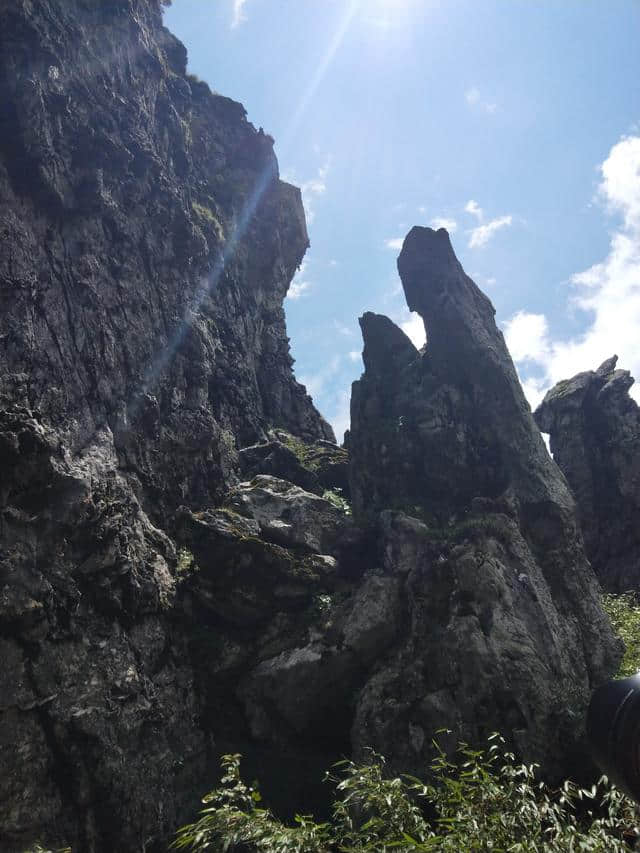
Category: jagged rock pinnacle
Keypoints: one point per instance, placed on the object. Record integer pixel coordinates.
(594, 432)
(385, 345)
(457, 315)
(477, 516)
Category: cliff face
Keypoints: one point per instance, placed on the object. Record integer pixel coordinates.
(157, 609)
(594, 432)
(146, 249)
(147, 245)
(504, 627)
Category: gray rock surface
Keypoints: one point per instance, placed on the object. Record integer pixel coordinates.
(314, 466)
(287, 514)
(594, 433)
(96, 690)
(503, 626)
(146, 247)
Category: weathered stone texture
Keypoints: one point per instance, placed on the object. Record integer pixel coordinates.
(146, 247)
(503, 627)
(594, 433)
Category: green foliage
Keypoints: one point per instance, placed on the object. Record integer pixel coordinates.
(207, 215)
(624, 612)
(296, 446)
(482, 801)
(185, 560)
(334, 496)
(311, 456)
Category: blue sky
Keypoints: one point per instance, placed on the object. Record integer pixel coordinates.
(516, 124)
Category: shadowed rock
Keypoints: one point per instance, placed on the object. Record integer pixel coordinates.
(146, 248)
(459, 411)
(503, 628)
(594, 432)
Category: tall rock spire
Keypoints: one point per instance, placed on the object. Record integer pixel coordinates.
(507, 631)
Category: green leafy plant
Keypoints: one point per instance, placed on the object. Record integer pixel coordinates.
(207, 215)
(185, 560)
(334, 496)
(481, 800)
(624, 612)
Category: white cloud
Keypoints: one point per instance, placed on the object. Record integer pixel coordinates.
(474, 209)
(481, 235)
(527, 336)
(297, 288)
(472, 96)
(239, 13)
(355, 355)
(534, 390)
(299, 285)
(394, 243)
(316, 383)
(608, 292)
(413, 327)
(343, 329)
(474, 99)
(620, 185)
(442, 222)
(313, 188)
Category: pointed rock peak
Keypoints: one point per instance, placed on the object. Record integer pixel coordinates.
(579, 391)
(453, 308)
(427, 259)
(385, 345)
(607, 366)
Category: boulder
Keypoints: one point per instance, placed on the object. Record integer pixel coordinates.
(288, 515)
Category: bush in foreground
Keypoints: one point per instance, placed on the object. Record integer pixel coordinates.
(483, 801)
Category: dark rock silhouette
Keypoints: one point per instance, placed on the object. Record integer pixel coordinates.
(594, 433)
(503, 624)
(147, 246)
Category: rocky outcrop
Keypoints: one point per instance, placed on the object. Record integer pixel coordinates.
(594, 434)
(96, 691)
(316, 466)
(146, 247)
(504, 628)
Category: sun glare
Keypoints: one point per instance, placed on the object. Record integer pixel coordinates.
(388, 14)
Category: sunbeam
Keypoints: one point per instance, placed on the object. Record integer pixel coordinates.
(210, 282)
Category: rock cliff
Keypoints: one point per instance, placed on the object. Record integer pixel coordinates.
(502, 625)
(594, 432)
(175, 579)
(147, 246)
